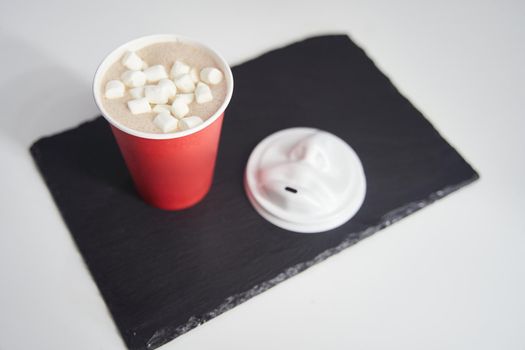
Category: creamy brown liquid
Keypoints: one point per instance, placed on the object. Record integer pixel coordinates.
(166, 54)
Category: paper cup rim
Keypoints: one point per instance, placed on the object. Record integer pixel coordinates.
(137, 44)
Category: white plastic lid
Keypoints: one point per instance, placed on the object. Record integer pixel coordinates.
(305, 180)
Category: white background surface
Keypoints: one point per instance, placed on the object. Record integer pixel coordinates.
(449, 277)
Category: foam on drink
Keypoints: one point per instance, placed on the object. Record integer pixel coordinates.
(164, 54)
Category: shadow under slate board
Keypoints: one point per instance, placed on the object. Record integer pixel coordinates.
(163, 273)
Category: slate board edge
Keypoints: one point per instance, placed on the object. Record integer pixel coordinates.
(165, 335)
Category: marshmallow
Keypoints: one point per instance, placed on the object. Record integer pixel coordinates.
(155, 94)
(189, 122)
(133, 78)
(114, 89)
(186, 98)
(139, 106)
(132, 61)
(179, 68)
(184, 83)
(203, 93)
(165, 122)
(211, 75)
(179, 109)
(194, 74)
(162, 108)
(168, 86)
(155, 73)
(137, 92)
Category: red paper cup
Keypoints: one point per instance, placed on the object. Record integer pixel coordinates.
(170, 171)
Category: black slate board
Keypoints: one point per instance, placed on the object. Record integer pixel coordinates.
(163, 273)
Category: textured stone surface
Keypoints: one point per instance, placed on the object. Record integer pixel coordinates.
(164, 273)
